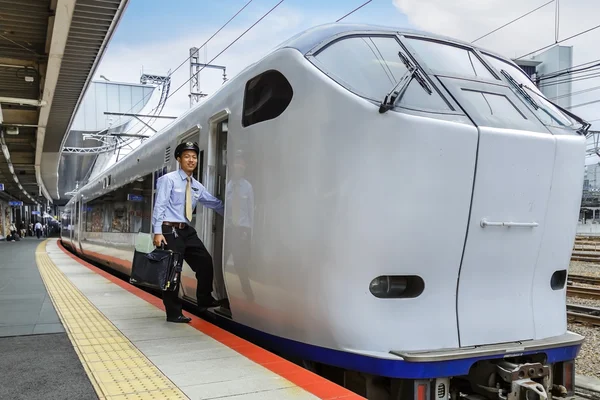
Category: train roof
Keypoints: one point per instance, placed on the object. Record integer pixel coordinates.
(312, 37)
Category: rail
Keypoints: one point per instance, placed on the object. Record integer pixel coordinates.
(584, 314)
(584, 292)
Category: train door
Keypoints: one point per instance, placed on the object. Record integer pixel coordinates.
(220, 131)
(80, 224)
(508, 212)
(72, 219)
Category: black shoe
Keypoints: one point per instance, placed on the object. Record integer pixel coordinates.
(208, 302)
(181, 319)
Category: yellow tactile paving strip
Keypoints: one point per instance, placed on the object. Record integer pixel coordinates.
(116, 368)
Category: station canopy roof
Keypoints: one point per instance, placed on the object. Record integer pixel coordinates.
(49, 51)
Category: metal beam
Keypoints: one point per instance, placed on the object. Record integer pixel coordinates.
(139, 115)
(17, 116)
(61, 23)
(130, 135)
(139, 119)
(17, 62)
(23, 102)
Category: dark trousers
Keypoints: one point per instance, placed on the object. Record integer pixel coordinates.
(38, 233)
(187, 242)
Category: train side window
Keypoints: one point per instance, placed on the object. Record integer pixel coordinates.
(127, 209)
(446, 58)
(371, 66)
(266, 97)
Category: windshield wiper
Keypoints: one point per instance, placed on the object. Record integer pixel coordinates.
(585, 126)
(520, 89)
(412, 72)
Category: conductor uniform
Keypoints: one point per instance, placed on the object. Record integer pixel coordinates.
(177, 194)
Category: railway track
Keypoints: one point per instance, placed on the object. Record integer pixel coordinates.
(584, 292)
(587, 256)
(586, 249)
(588, 280)
(583, 314)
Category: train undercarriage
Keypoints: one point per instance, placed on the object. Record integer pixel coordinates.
(522, 378)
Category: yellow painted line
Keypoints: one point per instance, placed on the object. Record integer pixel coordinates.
(116, 368)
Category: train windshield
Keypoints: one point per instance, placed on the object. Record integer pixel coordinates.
(372, 66)
(545, 111)
(445, 58)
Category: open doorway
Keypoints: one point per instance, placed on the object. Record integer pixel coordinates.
(220, 146)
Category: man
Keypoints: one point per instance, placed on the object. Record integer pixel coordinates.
(177, 194)
(38, 229)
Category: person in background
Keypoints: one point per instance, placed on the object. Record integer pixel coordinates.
(38, 229)
(13, 232)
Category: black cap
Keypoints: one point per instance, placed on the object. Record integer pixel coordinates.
(186, 146)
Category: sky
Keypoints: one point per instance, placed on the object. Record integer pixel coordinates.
(155, 35)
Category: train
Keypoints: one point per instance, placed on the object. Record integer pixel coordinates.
(400, 211)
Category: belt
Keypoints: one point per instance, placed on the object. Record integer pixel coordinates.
(178, 225)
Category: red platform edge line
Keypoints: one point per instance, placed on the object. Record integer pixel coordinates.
(301, 377)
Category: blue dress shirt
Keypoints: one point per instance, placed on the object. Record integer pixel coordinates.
(170, 199)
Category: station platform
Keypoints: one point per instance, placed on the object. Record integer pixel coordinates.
(69, 330)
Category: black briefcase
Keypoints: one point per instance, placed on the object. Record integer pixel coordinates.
(159, 269)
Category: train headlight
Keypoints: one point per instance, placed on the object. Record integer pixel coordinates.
(397, 286)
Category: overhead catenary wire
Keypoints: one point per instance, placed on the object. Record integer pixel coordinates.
(514, 20)
(358, 8)
(560, 41)
(221, 52)
(569, 72)
(187, 59)
(568, 68)
(227, 47)
(556, 21)
(562, 96)
(592, 75)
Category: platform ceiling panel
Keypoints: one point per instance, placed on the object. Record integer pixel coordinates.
(23, 55)
(24, 26)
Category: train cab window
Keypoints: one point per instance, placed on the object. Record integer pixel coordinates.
(545, 111)
(266, 97)
(494, 107)
(449, 59)
(371, 66)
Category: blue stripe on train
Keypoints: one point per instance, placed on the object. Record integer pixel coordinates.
(372, 365)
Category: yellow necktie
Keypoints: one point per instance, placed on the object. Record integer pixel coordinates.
(188, 199)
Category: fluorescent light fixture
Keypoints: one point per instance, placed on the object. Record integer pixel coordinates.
(10, 168)
(16, 179)
(19, 185)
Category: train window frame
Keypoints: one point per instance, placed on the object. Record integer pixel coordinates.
(538, 95)
(453, 108)
(144, 185)
(405, 39)
(287, 93)
(458, 86)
